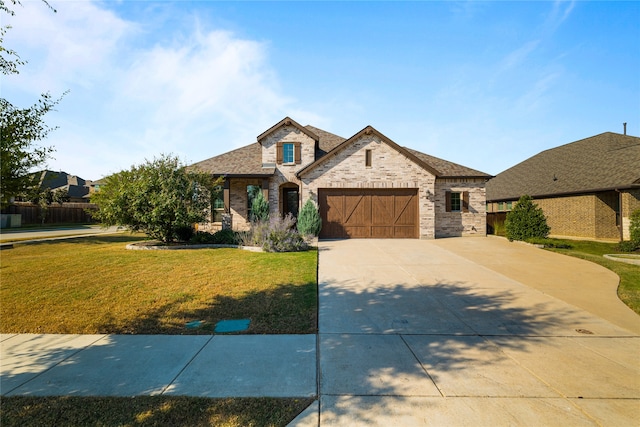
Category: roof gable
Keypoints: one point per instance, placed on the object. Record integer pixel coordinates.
(287, 121)
(603, 162)
(437, 167)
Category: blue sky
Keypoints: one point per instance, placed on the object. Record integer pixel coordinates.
(483, 84)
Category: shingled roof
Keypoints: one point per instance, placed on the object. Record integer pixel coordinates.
(603, 162)
(244, 161)
(447, 169)
(247, 161)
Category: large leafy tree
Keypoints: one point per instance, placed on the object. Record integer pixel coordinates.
(159, 198)
(20, 129)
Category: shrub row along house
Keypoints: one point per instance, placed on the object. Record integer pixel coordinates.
(586, 189)
(365, 186)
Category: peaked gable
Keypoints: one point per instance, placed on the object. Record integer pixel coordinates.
(287, 121)
(369, 130)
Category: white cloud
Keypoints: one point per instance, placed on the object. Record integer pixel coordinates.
(204, 92)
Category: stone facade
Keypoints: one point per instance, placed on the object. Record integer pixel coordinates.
(452, 224)
(389, 169)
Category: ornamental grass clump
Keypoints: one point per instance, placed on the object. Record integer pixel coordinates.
(276, 235)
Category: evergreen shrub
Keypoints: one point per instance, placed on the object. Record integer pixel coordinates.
(526, 221)
(309, 221)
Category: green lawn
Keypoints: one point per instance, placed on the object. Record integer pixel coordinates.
(629, 289)
(94, 285)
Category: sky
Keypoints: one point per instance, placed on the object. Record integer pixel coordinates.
(482, 84)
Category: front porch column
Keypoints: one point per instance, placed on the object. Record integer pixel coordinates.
(227, 221)
(265, 189)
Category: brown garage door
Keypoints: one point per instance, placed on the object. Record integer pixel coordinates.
(368, 213)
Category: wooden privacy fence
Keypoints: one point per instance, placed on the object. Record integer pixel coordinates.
(66, 213)
(494, 218)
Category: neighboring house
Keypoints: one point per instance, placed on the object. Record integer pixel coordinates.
(366, 186)
(77, 188)
(587, 188)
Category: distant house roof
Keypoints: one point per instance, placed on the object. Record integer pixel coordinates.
(607, 161)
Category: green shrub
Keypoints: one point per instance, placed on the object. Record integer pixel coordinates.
(627, 246)
(259, 208)
(549, 243)
(221, 237)
(309, 221)
(526, 221)
(634, 227)
(183, 233)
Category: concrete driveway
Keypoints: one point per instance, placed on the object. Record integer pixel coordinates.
(449, 332)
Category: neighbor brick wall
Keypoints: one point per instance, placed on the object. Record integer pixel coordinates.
(452, 224)
(588, 215)
(630, 202)
(570, 216)
(389, 169)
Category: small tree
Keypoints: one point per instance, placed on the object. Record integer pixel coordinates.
(45, 198)
(309, 221)
(526, 221)
(259, 208)
(160, 198)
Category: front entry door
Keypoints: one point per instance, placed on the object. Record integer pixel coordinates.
(291, 201)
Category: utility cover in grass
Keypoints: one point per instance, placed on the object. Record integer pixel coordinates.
(236, 325)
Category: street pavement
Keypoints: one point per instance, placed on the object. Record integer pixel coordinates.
(468, 331)
(28, 234)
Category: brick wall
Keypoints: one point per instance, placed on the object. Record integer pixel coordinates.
(630, 202)
(570, 216)
(238, 202)
(288, 134)
(588, 215)
(472, 223)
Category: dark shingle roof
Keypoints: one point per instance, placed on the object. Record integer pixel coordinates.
(327, 141)
(603, 162)
(244, 161)
(446, 168)
(247, 161)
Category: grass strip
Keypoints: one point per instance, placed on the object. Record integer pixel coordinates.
(629, 288)
(149, 411)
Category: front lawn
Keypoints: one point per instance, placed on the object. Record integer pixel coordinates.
(149, 411)
(94, 285)
(629, 289)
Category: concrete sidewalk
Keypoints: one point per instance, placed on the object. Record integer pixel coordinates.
(130, 365)
(30, 235)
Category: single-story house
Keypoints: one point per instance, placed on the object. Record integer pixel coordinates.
(365, 186)
(587, 189)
